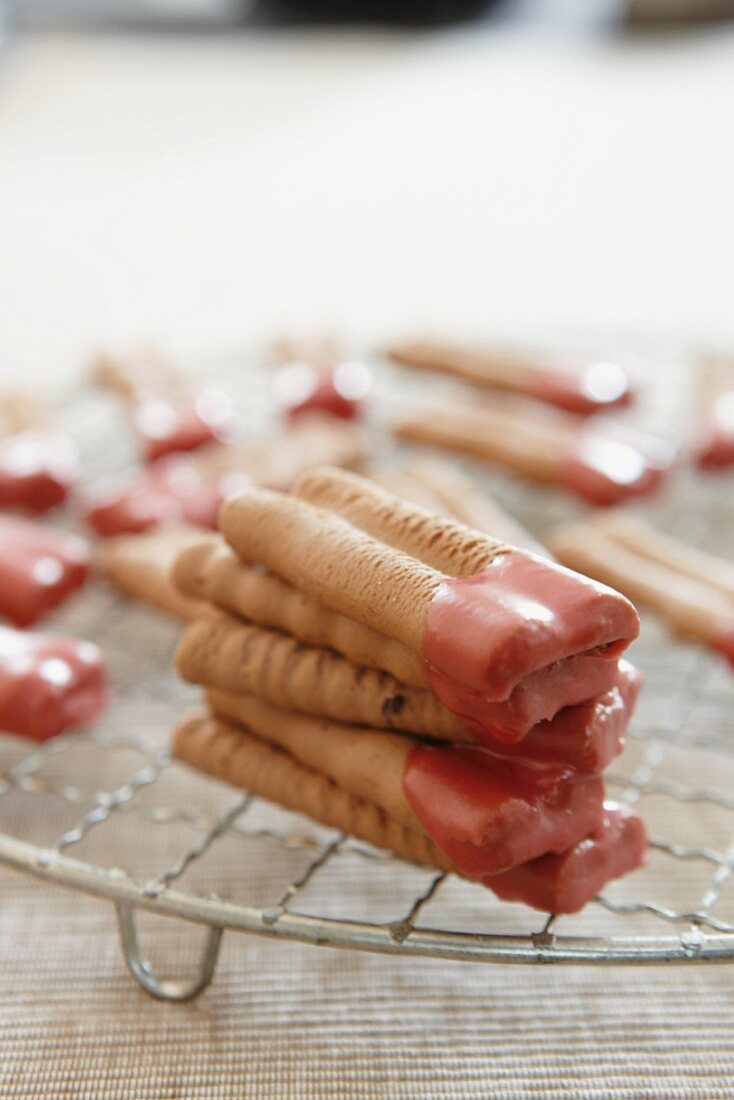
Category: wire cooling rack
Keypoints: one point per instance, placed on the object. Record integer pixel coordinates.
(108, 813)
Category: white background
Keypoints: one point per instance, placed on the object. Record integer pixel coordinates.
(204, 191)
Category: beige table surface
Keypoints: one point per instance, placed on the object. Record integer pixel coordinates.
(206, 193)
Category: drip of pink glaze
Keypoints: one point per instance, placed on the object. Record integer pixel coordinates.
(39, 568)
(537, 698)
(170, 492)
(487, 815)
(339, 391)
(37, 471)
(486, 633)
(715, 449)
(585, 388)
(723, 640)
(585, 738)
(565, 883)
(48, 683)
(165, 426)
(609, 464)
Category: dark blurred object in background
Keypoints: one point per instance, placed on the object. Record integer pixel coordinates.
(403, 12)
(200, 13)
(655, 12)
(209, 14)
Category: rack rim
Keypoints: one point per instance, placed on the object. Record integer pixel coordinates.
(694, 945)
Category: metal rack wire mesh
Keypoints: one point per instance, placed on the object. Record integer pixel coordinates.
(107, 812)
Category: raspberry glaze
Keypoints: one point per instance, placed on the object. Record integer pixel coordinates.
(48, 683)
(522, 616)
(39, 568)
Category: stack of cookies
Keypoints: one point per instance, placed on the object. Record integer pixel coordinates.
(399, 676)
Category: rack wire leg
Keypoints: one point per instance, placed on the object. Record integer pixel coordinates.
(165, 989)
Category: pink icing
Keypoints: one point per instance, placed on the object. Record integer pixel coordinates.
(165, 426)
(564, 883)
(39, 568)
(537, 698)
(584, 388)
(609, 464)
(48, 683)
(585, 738)
(487, 815)
(723, 640)
(715, 448)
(37, 471)
(170, 492)
(339, 391)
(486, 633)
